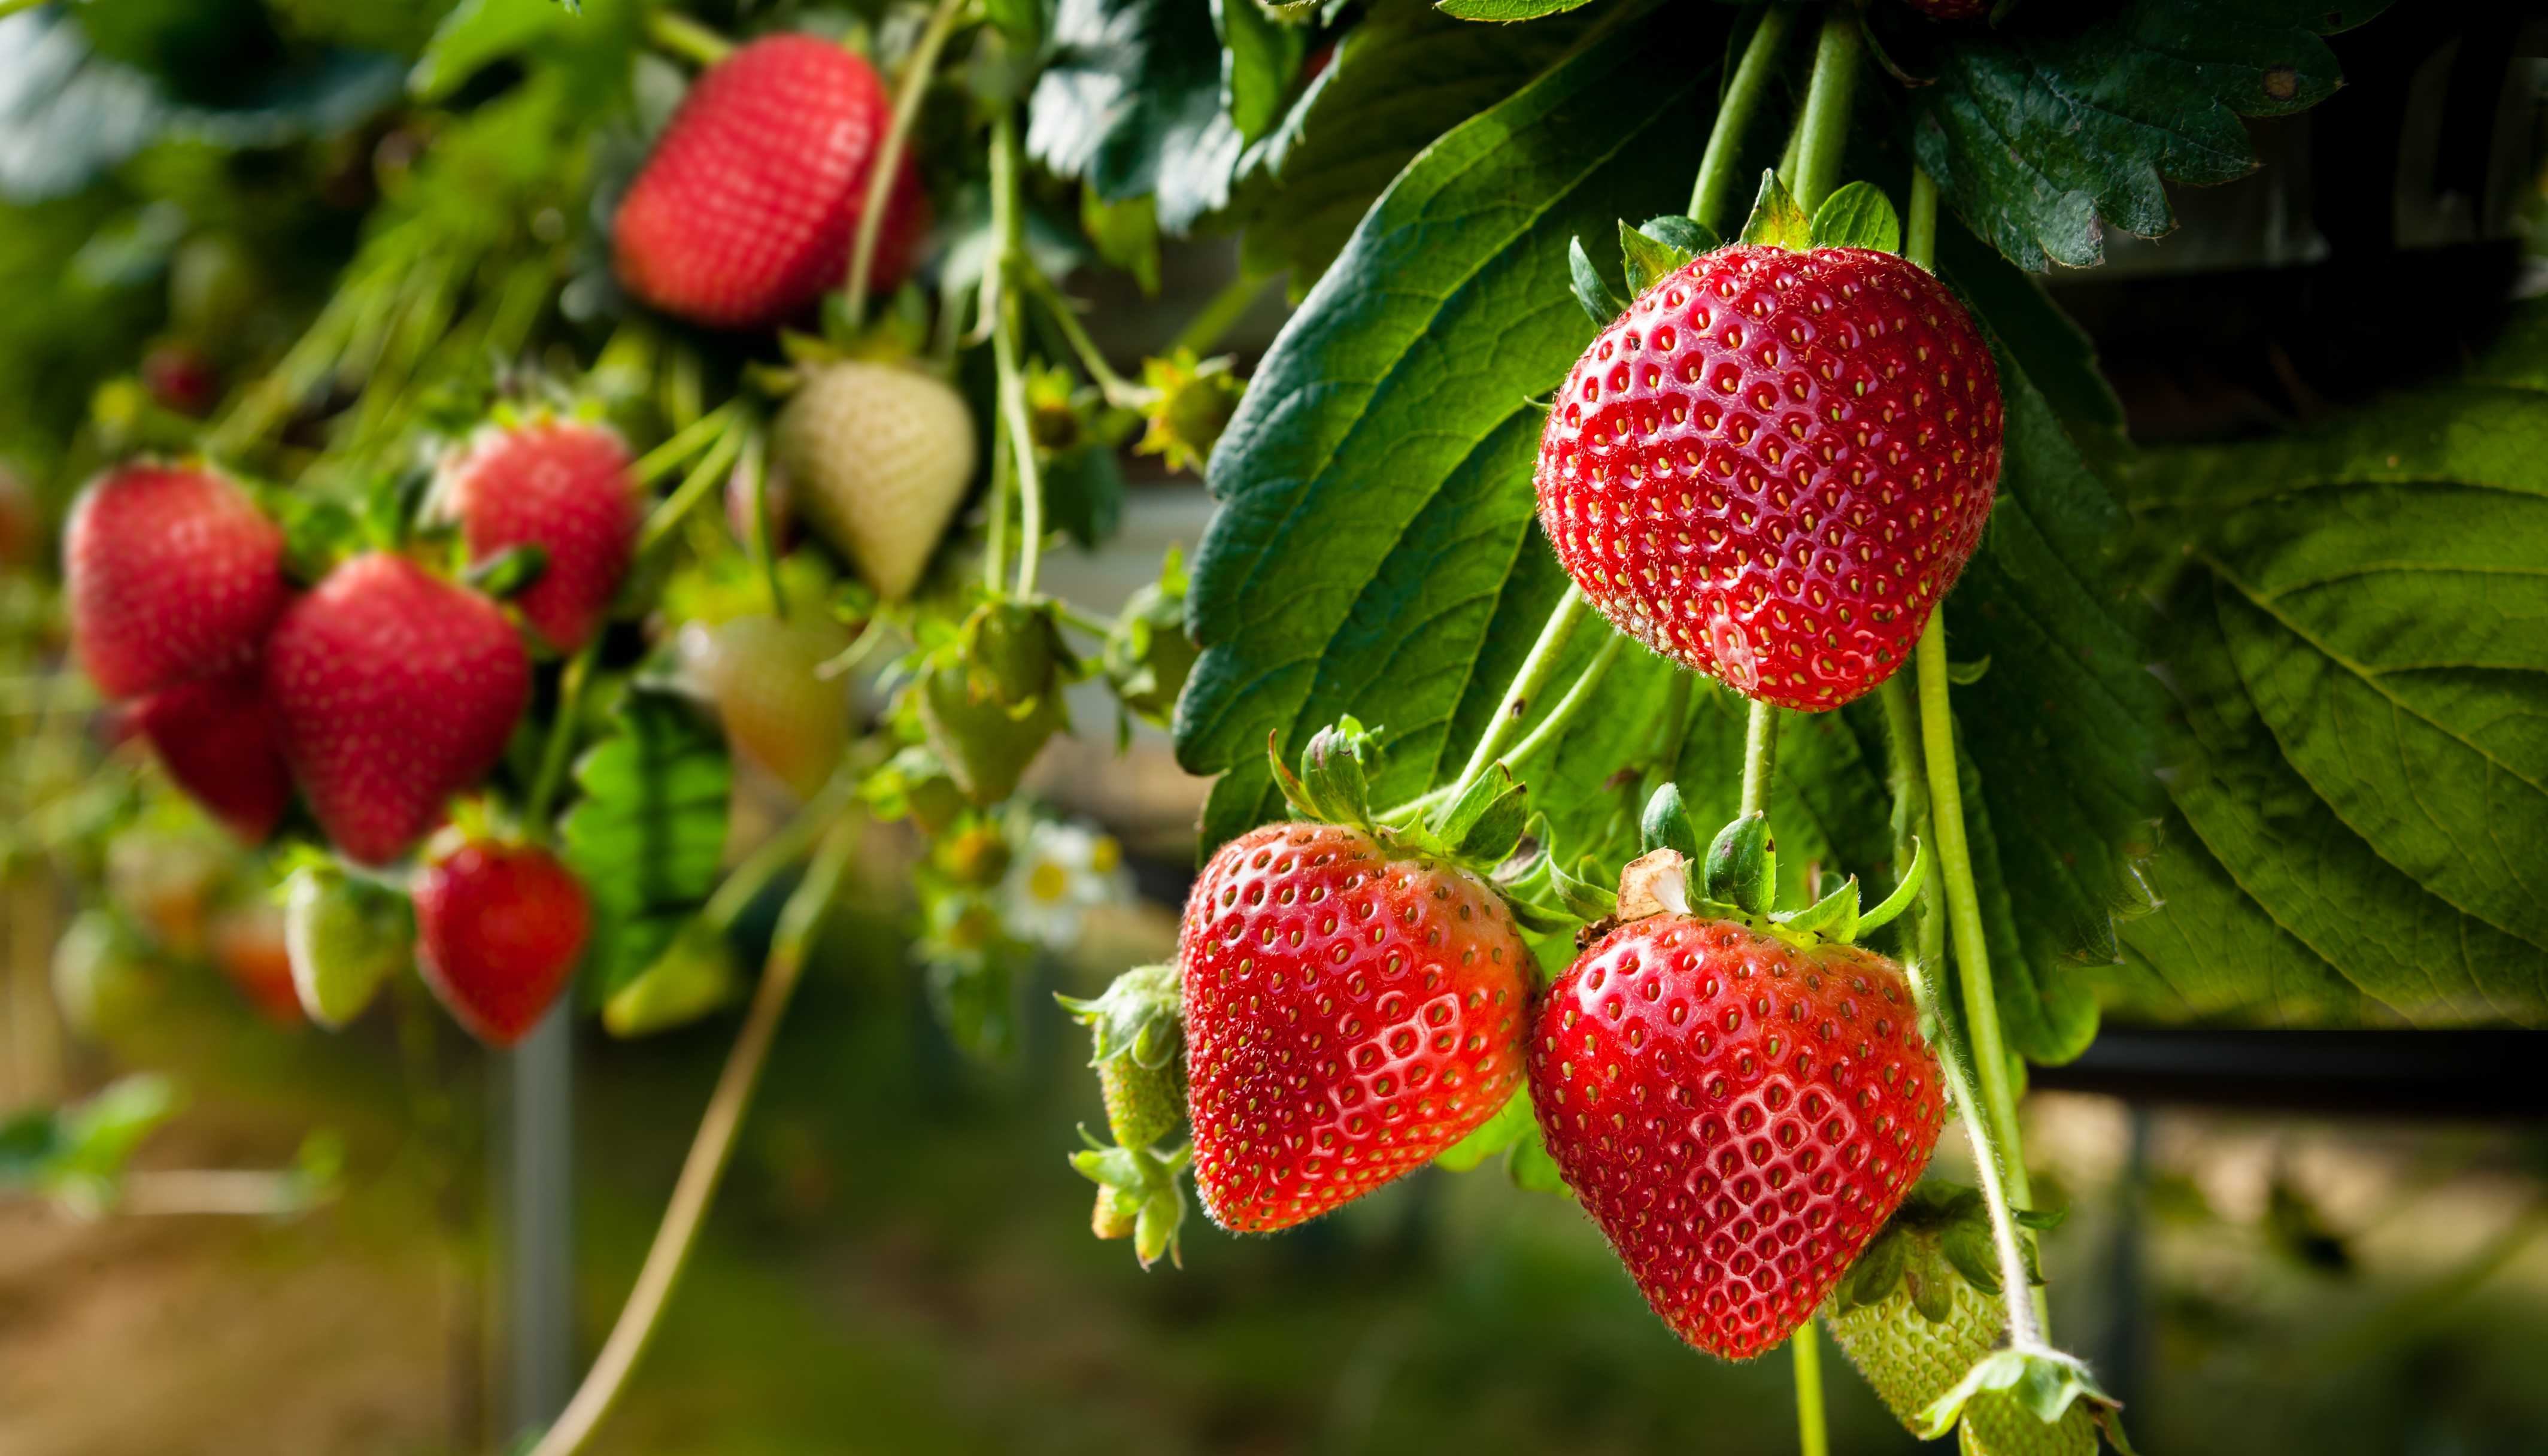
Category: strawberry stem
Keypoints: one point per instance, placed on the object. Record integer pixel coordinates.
(913, 85)
(703, 478)
(668, 457)
(1515, 705)
(685, 37)
(1760, 756)
(710, 1150)
(1008, 223)
(561, 740)
(1711, 197)
(1999, 1155)
(1822, 132)
(1219, 312)
(1120, 392)
(1813, 1436)
(1919, 238)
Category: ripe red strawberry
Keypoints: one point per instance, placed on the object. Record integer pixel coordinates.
(498, 929)
(564, 487)
(1349, 1014)
(172, 575)
(1774, 464)
(392, 690)
(1738, 1114)
(215, 737)
(746, 210)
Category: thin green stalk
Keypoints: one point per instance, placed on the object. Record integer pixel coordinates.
(1823, 132)
(1009, 223)
(1712, 196)
(669, 456)
(1920, 240)
(1218, 313)
(1120, 392)
(888, 158)
(2000, 1155)
(710, 1150)
(1527, 683)
(1925, 968)
(1760, 755)
(672, 30)
(764, 544)
(995, 545)
(704, 478)
(1813, 1437)
(1552, 727)
(561, 741)
(745, 882)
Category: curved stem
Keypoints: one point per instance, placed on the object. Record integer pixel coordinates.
(1823, 132)
(1012, 263)
(1999, 1155)
(1712, 195)
(1554, 725)
(669, 456)
(709, 1151)
(995, 542)
(685, 37)
(1919, 238)
(703, 478)
(561, 741)
(888, 158)
(1219, 312)
(1527, 683)
(1120, 392)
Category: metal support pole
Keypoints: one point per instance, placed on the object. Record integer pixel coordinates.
(539, 1193)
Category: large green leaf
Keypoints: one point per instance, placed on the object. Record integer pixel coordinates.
(1131, 100)
(648, 835)
(1397, 81)
(2362, 650)
(2037, 130)
(1375, 481)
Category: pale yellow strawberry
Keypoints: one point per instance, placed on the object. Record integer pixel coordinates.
(761, 672)
(877, 458)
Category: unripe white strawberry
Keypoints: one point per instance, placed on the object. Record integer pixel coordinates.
(877, 457)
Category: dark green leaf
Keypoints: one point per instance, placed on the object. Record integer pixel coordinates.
(1414, 365)
(2036, 131)
(1858, 215)
(1131, 100)
(1665, 825)
(1505, 11)
(648, 834)
(1685, 235)
(1399, 79)
(2055, 353)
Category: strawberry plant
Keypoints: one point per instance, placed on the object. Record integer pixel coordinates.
(1670, 430)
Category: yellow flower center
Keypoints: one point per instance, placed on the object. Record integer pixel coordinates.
(1048, 881)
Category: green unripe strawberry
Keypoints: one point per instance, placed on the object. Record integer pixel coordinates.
(1910, 1358)
(1139, 1044)
(984, 747)
(1014, 652)
(1996, 1423)
(344, 938)
(1148, 654)
(103, 977)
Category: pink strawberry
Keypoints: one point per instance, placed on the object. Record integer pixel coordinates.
(1739, 1113)
(561, 486)
(498, 931)
(745, 211)
(393, 689)
(172, 575)
(215, 737)
(1351, 1011)
(1774, 464)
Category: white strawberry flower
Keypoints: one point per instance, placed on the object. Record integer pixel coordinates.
(1062, 871)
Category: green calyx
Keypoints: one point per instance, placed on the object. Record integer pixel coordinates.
(1857, 216)
(1479, 827)
(1940, 1235)
(988, 701)
(1736, 878)
(1140, 1196)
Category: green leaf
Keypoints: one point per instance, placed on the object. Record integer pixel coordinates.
(2037, 130)
(1858, 215)
(648, 835)
(1647, 257)
(2362, 649)
(1505, 11)
(1397, 81)
(1260, 60)
(1776, 219)
(1511, 1124)
(2055, 353)
(1413, 363)
(1132, 101)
